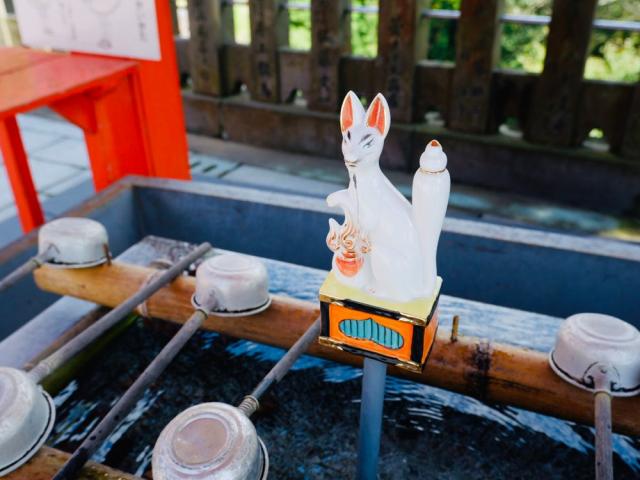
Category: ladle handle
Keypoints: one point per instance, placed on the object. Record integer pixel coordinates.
(251, 403)
(123, 406)
(25, 269)
(79, 342)
(604, 449)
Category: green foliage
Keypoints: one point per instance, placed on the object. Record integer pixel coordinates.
(615, 55)
(241, 25)
(523, 47)
(300, 28)
(442, 33)
(364, 30)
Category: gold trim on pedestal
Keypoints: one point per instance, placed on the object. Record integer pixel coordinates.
(417, 312)
(406, 364)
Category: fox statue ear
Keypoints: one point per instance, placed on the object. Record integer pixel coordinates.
(351, 112)
(378, 115)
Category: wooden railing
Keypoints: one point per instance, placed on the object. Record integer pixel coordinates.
(558, 107)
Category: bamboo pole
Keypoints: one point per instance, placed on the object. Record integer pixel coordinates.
(489, 371)
(45, 464)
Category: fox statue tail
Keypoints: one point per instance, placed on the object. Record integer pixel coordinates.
(431, 186)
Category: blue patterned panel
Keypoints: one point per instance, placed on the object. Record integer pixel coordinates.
(369, 329)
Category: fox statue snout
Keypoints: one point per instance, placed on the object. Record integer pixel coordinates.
(385, 246)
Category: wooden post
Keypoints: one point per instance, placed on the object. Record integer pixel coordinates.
(631, 137)
(206, 26)
(397, 25)
(556, 97)
(269, 30)
(329, 41)
(477, 48)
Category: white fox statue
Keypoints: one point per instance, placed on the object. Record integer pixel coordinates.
(386, 246)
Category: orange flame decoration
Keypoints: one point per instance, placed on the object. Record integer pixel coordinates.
(350, 246)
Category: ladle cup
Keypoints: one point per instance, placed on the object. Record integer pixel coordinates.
(601, 354)
(26, 411)
(70, 242)
(228, 284)
(218, 441)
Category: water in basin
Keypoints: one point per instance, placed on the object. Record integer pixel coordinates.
(309, 421)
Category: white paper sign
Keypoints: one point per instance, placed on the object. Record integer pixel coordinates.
(122, 28)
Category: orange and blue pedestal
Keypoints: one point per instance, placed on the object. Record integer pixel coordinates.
(384, 332)
(397, 333)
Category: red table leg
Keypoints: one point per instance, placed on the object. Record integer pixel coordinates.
(162, 103)
(15, 160)
(118, 146)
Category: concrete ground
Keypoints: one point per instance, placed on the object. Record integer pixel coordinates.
(60, 167)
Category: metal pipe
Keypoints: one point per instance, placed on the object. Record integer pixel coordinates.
(26, 268)
(617, 25)
(126, 402)
(539, 20)
(251, 402)
(604, 449)
(440, 14)
(78, 343)
(372, 403)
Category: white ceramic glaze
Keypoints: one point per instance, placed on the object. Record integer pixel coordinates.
(212, 441)
(385, 246)
(74, 242)
(598, 352)
(232, 284)
(27, 415)
(430, 195)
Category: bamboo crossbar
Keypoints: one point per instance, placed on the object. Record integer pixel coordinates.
(45, 464)
(491, 372)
